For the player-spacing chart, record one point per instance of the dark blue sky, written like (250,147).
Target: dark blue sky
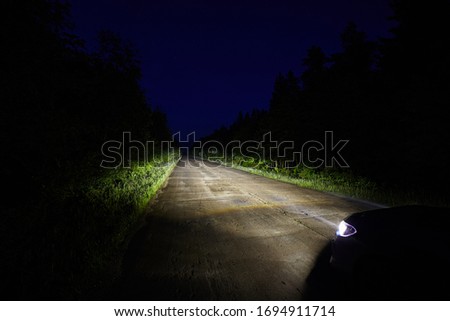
(204,61)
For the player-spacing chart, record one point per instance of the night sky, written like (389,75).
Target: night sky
(204,61)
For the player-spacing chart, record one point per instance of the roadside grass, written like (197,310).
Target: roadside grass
(340,181)
(70,242)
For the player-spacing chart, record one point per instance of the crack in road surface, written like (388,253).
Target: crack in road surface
(216,233)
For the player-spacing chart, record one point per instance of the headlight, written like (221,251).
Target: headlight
(345,229)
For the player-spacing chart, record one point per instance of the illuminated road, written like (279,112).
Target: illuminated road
(222,234)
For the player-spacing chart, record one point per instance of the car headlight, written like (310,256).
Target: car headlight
(345,229)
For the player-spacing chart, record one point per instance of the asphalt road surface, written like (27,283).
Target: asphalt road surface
(216,233)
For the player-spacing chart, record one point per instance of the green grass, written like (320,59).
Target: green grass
(70,243)
(342,182)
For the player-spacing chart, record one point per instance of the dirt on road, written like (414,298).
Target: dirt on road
(216,233)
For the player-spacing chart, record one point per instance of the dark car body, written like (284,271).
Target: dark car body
(395,253)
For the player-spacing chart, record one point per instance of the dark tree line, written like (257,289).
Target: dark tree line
(389,97)
(60,102)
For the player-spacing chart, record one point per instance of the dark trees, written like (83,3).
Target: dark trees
(60,103)
(415,74)
(389,98)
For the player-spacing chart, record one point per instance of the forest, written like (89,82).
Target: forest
(65,220)
(389,98)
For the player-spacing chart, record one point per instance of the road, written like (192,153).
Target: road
(216,233)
